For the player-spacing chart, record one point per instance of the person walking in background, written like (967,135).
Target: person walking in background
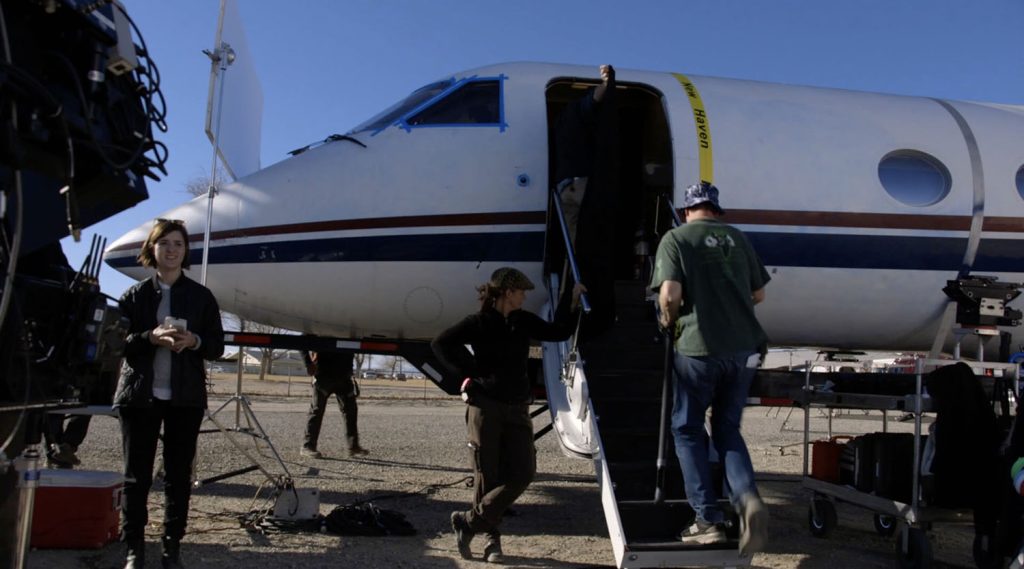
(65,432)
(707,274)
(332,375)
(497,391)
(174,326)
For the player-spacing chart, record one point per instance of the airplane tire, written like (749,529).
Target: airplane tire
(919,550)
(884,525)
(821,517)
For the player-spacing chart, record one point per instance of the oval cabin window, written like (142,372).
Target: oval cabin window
(915,178)
(1020,182)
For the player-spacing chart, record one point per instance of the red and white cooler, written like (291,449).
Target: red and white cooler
(76,509)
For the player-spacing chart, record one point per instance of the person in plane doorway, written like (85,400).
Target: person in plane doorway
(332,375)
(497,391)
(174,326)
(707,274)
(587,169)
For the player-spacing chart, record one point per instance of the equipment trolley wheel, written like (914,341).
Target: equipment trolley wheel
(913,550)
(884,525)
(821,517)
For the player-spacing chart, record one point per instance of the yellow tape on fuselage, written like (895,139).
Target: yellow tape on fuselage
(700,120)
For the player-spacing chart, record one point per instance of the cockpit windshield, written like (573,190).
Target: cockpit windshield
(471,101)
(396,111)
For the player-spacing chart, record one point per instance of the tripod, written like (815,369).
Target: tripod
(253,428)
(290,503)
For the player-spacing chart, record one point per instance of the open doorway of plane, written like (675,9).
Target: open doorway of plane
(643,152)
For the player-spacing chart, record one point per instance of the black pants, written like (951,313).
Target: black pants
(72,432)
(504,458)
(344,393)
(140,429)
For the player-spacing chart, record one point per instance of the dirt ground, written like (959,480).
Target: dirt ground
(418,466)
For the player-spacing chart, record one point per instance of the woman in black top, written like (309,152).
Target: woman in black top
(497,390)
(175,325)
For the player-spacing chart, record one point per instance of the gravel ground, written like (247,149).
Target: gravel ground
(418,466)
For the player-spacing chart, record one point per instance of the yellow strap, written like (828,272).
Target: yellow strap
(700,120)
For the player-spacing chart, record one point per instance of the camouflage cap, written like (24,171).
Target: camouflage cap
(508,278)
(701,193)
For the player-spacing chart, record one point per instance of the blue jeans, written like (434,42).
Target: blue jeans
(721,383)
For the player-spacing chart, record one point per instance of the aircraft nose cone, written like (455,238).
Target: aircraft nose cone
(122,253)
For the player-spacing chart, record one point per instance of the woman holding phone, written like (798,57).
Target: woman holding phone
(175,325)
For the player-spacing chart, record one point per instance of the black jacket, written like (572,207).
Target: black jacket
(501,347)
(333,369)
(190,301)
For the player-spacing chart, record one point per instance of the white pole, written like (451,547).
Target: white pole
(224,56)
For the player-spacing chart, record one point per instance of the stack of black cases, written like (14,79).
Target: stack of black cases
(881,464)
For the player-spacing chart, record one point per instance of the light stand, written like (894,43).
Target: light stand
(297,503)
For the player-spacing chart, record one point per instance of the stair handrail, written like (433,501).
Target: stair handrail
(676,220)
(666,386)
(661,465)
(570,252)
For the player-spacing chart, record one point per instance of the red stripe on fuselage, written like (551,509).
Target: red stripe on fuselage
(451,220)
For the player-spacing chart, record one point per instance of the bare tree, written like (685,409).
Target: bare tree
(359,359)
(392,364)
(199,185)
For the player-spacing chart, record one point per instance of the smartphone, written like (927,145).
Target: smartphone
(180,324)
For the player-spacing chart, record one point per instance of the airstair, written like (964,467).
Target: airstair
(606,405)
(605,399)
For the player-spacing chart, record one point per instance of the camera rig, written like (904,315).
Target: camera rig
(79,100)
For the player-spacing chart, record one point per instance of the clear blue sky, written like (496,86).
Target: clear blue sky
(327,65)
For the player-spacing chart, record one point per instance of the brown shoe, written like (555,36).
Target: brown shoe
(310,452)
(356,450)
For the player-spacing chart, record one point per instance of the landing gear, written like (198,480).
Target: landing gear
(821,517)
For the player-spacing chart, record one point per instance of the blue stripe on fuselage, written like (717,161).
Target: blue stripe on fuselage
(524,246)
(884,252)
(775,249)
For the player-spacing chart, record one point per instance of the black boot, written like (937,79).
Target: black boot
(492,547)
(171,559)
(135,558)
(463,535)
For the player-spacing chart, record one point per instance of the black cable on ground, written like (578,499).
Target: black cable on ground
(361,517)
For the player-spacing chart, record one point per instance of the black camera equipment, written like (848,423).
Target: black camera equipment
(78,103)
(79,100)
(982,301)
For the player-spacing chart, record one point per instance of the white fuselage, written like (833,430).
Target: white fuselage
(391,239)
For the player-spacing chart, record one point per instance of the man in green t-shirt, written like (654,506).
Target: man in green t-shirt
(709,277)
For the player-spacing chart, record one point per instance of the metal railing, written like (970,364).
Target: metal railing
(569,251)
(676,220)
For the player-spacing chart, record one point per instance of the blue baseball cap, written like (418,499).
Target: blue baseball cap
(702,193)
